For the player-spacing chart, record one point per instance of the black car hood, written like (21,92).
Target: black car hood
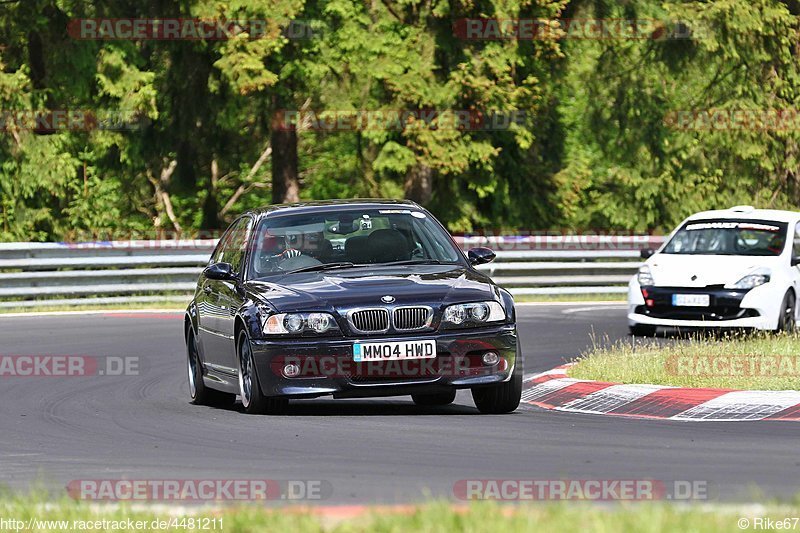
(434,285)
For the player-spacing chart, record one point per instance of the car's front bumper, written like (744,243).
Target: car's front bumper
(327,366)
(729,308)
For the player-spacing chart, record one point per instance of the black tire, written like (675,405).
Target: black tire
(440,398)
(253,399)
(503,398)
(642,330)
(200,394)
(787,322)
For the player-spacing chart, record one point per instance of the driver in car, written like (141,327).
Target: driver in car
(776,243)
(312,244)
(275,250)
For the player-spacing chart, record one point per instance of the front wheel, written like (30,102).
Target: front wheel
(787,322)
(502,398)
(202,395)
(253,398)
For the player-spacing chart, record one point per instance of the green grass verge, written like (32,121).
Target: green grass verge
(756,362)
(435,517)
(602,297)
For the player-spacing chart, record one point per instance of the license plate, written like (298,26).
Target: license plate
(691,300)
(387,351)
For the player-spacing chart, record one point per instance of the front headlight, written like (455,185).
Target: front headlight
(298,323)
(320,322)
(750,281)
(474,314)
(645,277)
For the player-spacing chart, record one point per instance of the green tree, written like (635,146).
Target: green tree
(633,160)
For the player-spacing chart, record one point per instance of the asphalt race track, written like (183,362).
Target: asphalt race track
(58,429)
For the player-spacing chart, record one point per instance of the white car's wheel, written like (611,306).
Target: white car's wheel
(786,320)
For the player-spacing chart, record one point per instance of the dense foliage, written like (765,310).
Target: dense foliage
(695,109)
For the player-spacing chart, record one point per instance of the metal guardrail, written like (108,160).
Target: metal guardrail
(36,274)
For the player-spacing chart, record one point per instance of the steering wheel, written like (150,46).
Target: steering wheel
(297,261)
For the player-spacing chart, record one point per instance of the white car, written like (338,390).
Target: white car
(733,268)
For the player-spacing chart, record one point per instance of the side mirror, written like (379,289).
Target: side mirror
(220,272)
(646,253)
(480,256)
(795,260)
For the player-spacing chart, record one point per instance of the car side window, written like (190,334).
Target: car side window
(216,255)
(233,250)
(796,243)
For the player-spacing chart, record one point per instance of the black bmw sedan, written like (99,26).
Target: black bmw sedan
(357,298)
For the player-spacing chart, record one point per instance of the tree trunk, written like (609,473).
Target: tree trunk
(211,219)
(283,141)
(36,62)
(419,184)
(285,180)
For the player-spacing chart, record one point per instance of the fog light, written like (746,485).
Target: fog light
(490,358)
(291,370)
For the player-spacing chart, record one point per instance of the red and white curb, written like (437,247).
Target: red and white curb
(554,390)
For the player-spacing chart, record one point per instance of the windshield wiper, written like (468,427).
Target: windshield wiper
(323,266)
(347,264)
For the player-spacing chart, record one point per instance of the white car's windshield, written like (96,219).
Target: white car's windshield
(349,237)
(729,237)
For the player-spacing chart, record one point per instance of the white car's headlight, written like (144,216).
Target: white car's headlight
(295,323)
(750,281)
(645,277)
(474,314)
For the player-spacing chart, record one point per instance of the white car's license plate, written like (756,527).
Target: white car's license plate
(691,300)
(387,351)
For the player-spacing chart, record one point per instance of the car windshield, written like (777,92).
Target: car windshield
(347,238)
(729,237)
